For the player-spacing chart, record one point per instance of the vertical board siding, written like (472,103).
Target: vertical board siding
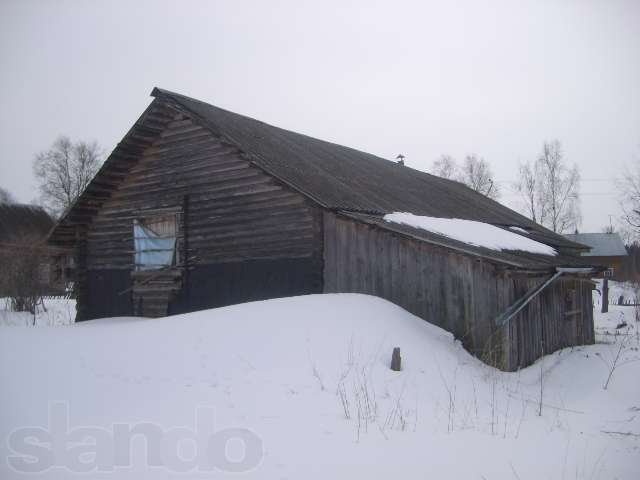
(460,293)
(447,289)
(236,213)
(546,324)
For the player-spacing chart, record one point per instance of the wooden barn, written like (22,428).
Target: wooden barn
(199,207)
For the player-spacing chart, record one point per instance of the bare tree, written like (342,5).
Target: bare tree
(5,197)
(476,174)
(446,167)
(550,189)
(529,187)
(629,188)
(64,171)
(562,183)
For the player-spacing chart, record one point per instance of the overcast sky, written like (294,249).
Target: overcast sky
(418,78)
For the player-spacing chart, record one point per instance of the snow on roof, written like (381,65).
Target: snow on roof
(473,233)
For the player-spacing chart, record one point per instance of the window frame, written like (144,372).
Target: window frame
(146,219)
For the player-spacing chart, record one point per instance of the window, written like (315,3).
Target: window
(154,241)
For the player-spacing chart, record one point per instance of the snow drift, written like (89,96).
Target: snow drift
(309,377)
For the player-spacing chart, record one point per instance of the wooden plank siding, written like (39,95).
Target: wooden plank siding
(549,322)
(460,293)
(236,213)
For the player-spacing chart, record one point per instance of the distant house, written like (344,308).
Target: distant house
(606,249)
(199,207)
(19,222)
(23,229)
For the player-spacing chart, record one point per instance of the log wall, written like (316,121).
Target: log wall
(229,212)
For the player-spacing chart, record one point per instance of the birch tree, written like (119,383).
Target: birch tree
(528,186)
(550,189)
(445,166)
(475,173)
(629,188)
(64,171)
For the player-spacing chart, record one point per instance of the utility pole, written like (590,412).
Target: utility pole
(605,293)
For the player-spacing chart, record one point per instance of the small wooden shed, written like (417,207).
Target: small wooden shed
(199,207)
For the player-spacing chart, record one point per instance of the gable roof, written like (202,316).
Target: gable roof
(602,244)
(342,178)
(18,221)
(336,177)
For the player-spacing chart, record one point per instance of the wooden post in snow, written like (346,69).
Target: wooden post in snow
(396,360)
(605,295)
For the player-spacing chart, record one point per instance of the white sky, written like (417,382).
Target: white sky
(418,78)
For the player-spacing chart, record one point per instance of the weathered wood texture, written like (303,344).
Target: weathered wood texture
(152,291)
(561,316)
(235,212)
(460,293)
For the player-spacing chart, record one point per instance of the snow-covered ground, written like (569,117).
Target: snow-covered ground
(300,388)
(54,312)
(629,292)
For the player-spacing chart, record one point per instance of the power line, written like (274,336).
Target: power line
(613,180)
(589,194)
(509,188)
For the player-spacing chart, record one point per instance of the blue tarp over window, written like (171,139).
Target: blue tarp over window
(152,251)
